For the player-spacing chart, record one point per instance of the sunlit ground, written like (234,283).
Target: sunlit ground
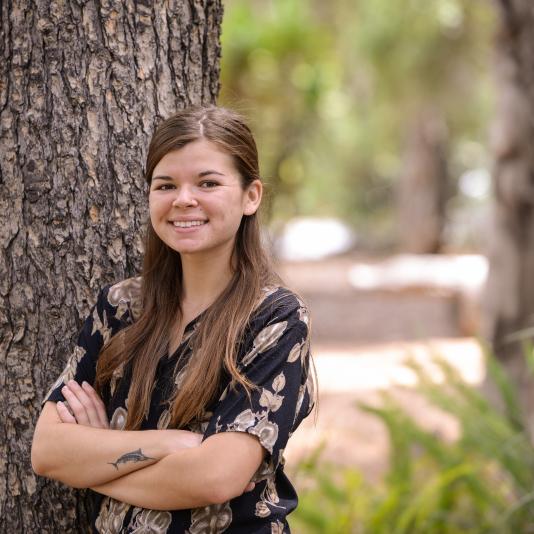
(381,366)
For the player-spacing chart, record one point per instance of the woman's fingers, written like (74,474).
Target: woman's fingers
(64,414)
(81,405)
(250,487)
(75,405)
(98,403)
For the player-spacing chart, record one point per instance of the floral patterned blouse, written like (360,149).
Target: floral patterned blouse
(274,355)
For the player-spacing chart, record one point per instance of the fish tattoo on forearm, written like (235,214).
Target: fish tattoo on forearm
(134,456)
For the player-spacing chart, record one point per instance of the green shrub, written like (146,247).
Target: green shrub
(481,483)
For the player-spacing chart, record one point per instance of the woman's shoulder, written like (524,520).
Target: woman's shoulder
(124,298)
(278,328)
(277,301)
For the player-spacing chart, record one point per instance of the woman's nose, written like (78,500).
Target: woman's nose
(184,198)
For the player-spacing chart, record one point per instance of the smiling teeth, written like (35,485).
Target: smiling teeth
(187,224)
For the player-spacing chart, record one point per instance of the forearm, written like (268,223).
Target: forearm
(218,470)
(82,456)
(178,481)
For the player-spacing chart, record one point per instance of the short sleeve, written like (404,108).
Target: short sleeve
(276,360)
(81,364)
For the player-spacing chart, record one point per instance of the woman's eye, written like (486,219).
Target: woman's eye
(164,187)
(208,184)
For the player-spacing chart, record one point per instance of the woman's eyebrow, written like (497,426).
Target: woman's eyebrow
(200,175)
(210,171)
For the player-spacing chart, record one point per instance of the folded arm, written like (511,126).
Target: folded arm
(158,469)
(82,452)
(218,470)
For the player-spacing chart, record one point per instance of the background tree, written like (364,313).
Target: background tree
(510,289)
(82,85)
(423,58)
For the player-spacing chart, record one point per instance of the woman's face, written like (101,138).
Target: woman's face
(197,200)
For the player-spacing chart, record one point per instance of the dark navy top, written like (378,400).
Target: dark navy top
(274,355)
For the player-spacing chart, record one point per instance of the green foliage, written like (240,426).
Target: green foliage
(332,87)
(481,483)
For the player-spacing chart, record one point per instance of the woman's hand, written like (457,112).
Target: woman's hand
(86,406)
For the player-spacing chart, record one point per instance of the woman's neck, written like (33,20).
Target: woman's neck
(204,279)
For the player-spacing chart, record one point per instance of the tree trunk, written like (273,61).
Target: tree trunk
(423,185)
(82,85)
(510,291)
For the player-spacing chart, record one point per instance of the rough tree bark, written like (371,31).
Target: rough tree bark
(510,291)
(423,185)
(82,85)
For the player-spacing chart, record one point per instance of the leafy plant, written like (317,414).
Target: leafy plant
(482,483)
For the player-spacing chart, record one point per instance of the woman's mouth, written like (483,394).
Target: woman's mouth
(187,224)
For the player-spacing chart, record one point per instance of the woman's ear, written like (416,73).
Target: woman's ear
(253,195)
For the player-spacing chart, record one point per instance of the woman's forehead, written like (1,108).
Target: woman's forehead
(195,155)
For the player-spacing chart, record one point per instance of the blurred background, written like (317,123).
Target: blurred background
(373,120)
(359,105)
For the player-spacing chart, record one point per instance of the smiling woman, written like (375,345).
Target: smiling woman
(187,381)
(197,199)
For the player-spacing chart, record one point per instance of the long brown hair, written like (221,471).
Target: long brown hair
(216,340)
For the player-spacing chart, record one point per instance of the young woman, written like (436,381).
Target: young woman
(185,384)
